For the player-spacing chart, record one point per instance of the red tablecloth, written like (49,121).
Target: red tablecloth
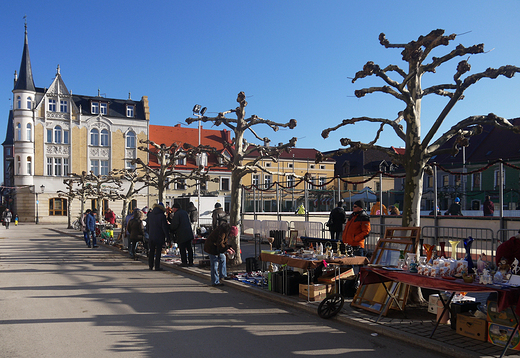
(294,261)
(507,297)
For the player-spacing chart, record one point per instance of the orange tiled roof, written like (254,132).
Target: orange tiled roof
(177,134)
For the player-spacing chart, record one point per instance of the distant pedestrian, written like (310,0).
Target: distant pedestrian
(455,208)
(393,210)
(16,220)
(83,222)
(135,228)
(218,216)
(337,218)
(489,207)
(110,217)
(90,223)
(181,228)
(7,216)
(157,227)
(194,216)
(376,208)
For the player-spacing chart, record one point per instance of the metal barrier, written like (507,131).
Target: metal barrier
(505,234)
(268,225)
(485,242)
(308,228)
(251,227)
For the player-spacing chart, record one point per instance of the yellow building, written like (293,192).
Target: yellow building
(263,194)
(53,132)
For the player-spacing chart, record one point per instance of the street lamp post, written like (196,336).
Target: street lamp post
(42,190)
(198,112)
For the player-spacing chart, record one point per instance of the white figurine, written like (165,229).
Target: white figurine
(514,267)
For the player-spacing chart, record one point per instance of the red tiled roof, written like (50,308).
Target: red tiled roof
(177,134)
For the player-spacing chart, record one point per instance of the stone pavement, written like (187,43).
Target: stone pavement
(413,326)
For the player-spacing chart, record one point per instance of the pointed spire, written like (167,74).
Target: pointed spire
(25,79)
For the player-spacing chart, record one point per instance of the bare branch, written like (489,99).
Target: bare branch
(398,128)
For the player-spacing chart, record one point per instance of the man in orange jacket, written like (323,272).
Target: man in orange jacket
(357,228)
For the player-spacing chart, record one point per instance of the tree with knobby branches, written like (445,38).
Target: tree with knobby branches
(240,149)
(407,124)
(164,173)
(132,177)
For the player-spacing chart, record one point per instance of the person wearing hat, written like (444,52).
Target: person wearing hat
(90,223)
(455,208)
(218,216)
(337,218)
(357,228)
(157,228)
(181,227)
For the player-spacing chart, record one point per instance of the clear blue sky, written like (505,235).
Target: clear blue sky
(293,59)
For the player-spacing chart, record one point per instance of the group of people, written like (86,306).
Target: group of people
(7,217)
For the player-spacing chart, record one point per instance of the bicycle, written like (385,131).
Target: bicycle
(76,224)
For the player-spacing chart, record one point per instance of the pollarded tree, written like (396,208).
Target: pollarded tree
(132,177)
(240,148)
(409,90)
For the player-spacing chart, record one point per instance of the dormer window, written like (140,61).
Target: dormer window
(130,111)
(181,158)
(103,108)
(226,156)
(98,108)
(94,108)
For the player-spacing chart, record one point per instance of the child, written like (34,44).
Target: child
(16,220)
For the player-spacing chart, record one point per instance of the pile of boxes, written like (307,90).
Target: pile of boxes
(500,325)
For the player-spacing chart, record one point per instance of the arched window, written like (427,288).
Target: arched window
(29,166)
(18,131)
(29,132)
(29,103)
(94,137)
(18,165)
(130,140)
(57,134)
(104,138)
(18,102)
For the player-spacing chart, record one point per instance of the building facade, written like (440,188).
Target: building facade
(53,132)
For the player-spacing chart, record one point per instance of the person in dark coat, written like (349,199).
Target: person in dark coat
(489,207)
(193,213)
(455,208)
(135,228)
(90,223)
(157,227)
(181,228)
(218,216)
(7,216)
(337,218)
(216,246)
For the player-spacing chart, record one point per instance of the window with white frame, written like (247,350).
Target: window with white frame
(312,166)
(19,102)
(129,165)
(104,167)
(57,167)
(224,184)
(49,166)
(18,165)
(130,111)
(322,182)
(181,158)
(103,108)
(267,164)
(64,106)
(322,166)
(49,135)
(65,137)
(94,137)
(18,131)
(267,180)
(57,134)
(29,102)
(130,140)
(104,138)
(94,166)
(255,180)
(180,184)
(290,181)
(52,105)
(94,107)
(29,131)
(29,166)
(66,169)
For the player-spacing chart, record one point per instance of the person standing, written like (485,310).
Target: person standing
(489,207)
(357,228)
(181,227)
(376,208)
(84,227)
(135,228)
(7,216)
(158,232)
(454,208)
(337,218)
(216,246)
(110,217)
(218,216)
(194,216)
(90,223)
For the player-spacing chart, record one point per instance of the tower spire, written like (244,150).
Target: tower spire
(25,78)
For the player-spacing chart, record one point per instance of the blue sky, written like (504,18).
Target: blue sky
(293,59)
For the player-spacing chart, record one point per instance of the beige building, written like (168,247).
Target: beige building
(53,132)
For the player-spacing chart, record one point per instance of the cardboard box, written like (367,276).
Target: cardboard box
(316,292)
(472,327)
(498,335)
(504,318)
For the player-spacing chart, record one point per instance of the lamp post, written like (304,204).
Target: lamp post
(42,190)
(198,112)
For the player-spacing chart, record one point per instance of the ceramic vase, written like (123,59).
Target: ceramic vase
(467,247)
(442,244)
(429,251)
(454,244)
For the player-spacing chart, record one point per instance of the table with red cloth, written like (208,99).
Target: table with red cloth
(507,296)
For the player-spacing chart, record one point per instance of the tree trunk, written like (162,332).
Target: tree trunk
(234,214)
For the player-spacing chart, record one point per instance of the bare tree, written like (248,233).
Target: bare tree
(418,150)
(240,149)
(163,174)
(132,177)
